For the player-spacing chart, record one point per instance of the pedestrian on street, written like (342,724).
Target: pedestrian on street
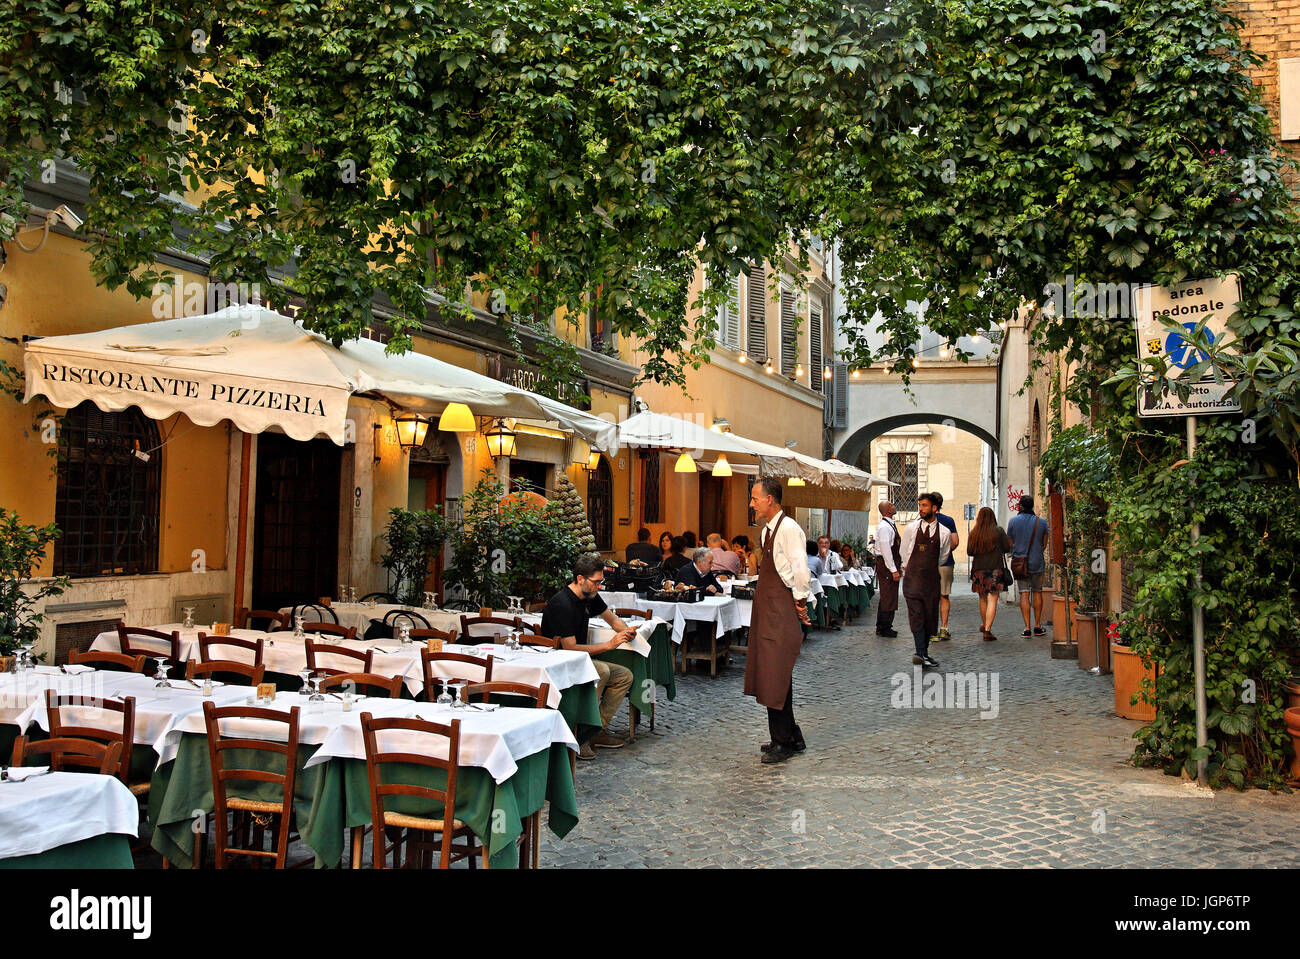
(926,544)
(945,569)
(989,575)
(779,612)
(889,566)
(1028,534)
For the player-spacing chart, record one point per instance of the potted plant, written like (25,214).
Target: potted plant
(414,538)
(1130,676)
(22,547)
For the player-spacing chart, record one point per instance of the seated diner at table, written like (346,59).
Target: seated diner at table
(676,559)
(748,561)
(643,549)
(724,560)
(699,572)
(565,619)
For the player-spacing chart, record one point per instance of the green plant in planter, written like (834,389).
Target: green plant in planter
(414,538)
(509,548)
(1081,463)
(22,547)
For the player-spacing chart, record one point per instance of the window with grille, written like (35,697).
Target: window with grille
(106,502)
(789,341)
(815,348)
(650,488)
(756,332)
(902,470)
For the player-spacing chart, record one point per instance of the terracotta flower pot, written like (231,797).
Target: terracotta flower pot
(1292,690)
(1292,718)
(1089,638)
(1059,614)
(1129,673)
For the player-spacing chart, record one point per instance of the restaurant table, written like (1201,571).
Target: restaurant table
(109,641)
(721,611)
(513,760)
(570,674)
(359,615)
(64,820)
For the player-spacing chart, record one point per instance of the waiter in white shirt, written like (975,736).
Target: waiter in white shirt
(775,630)
(889,570)
(926,545)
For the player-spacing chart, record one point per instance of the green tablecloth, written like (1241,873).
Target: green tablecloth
(331,797)
(833,600)
(109,851)
(647,672)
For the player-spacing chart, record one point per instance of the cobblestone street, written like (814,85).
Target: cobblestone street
(1045,783)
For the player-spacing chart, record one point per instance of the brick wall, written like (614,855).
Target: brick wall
(1270,28)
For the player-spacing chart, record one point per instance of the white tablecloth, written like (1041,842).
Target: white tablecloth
(720,610)
(493,740)
(599,632)
(58,808)
(109,642)
(157,709)
(359,615)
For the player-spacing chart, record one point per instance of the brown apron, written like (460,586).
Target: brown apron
(921,583)
(885,579)
(775,635)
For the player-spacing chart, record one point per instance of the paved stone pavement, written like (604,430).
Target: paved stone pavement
(1045,783)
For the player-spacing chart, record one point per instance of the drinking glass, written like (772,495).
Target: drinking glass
(404,633)
(456,702)
(297,627)
(316,695)
(428,599)
(305,675)
(161,675)
(352,594)
(444,697)
(343,593)
(189,617)
(24,660)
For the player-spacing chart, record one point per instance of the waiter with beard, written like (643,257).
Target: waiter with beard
(775,630)
(926,544)
(889,566)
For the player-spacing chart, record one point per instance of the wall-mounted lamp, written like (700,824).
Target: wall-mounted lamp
(826,373)
(796,481)
(720,425)
(411,429)
(769,367)
(593,462)
(457,418)
(500,440)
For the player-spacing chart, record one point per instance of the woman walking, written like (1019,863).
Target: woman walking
(987,547)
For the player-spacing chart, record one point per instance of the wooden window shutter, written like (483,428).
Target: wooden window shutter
(756,334)
(789,340)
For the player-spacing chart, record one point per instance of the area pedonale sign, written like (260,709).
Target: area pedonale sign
(1186,304)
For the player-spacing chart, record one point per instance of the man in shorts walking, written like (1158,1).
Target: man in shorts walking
(1028,534)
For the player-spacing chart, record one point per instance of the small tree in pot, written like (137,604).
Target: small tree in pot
(414,539)
(22,547)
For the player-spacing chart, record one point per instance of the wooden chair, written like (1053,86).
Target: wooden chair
(111,662)
(486,622)
(382,787)
(536,607)
(84,754)
(718,649)
(272,618)
(314,649)
(311,613)
(427,659)
(226,671)
(624,611)
(276,815)
(394,617)
(206,642)
(538,694)
(419,635)
(530,846)
(124,734)
(372,683)
(388,598)
(330,629)
(536,639)
(128,637)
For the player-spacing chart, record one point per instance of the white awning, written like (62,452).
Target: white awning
(260,369)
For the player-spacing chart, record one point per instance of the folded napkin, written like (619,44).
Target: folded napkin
(19,773)
(76,669)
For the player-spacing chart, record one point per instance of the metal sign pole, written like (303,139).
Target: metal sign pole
(1198,631)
